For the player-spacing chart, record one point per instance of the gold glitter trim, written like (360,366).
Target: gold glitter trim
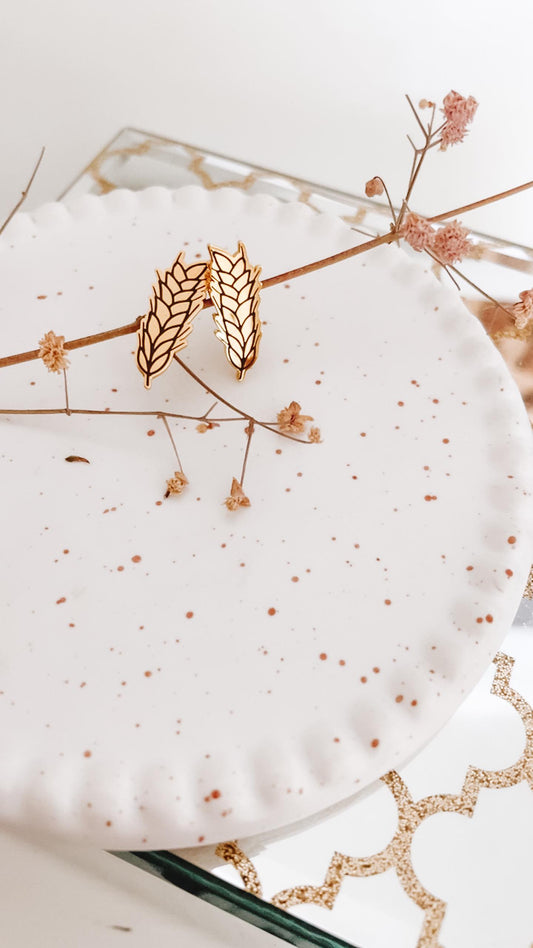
(528,591)
(397,854)
(196,167)
(94,168)
(231,852)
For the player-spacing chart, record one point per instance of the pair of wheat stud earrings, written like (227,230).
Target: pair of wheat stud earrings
(181,292)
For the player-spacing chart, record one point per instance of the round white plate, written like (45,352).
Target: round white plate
(173,673)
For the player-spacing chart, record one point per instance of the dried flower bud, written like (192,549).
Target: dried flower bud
(523,311)
(290,420)
(314,435)
(425,104)
(52,352)
(417,231)
(237,497)
(374,187)
(176,484)
(450,243)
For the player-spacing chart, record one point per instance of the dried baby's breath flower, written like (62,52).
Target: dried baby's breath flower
(450,243)
(417,231)
(458,113)
(237,497)
(374,187)
(291,420)
(523,311)
(206,426)
(425,104)
(314,435)
(176,484)
(52,352)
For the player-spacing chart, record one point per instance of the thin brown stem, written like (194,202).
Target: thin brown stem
(173,443)
(444,266)
(67,409)
(479,290)
(416,115)
(249,431)
(24,194)
(234,408)
(482,203)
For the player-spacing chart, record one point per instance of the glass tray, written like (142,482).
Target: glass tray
(439,853)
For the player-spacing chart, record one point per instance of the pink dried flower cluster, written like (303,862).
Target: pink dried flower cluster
(449,244)
(458,113)
(417,231)
(523,311)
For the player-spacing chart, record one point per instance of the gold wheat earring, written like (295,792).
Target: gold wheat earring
(234,290)
(177,299)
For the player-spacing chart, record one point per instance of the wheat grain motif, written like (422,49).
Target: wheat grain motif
(234,290)
(178,297)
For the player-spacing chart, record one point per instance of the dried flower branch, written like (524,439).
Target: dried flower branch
(24,194)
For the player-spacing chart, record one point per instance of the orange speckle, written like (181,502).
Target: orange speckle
(374,743)
(469,568)
(150,433)
(426,467)
(323,656)
(66,551)
(508,572)
(201,839)
(278,450)
(511,540)
(414,703)
(295,579)
(159,503)
(376,670)
(354,477)
(119,569)
(401,404)
(336,740)
(71,625)
(445,440)
(189,615)
(61,600)
(87,754)
(215,794)
(363,434)
(318,382)
(272,611)
(435,401)
(489,618)
(479,619)
(108,823)
(398,699)
(41,297)
(364,679)
(387,602)
(341,661)
(136,558)
(148,674)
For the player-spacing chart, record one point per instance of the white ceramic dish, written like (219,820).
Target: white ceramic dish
(127,723)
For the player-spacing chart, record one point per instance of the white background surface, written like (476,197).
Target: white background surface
(306,86)
(312,87)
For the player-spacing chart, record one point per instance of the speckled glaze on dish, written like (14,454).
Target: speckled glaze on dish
(173,673)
